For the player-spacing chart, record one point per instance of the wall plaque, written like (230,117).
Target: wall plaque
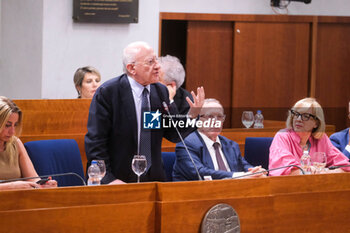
(106,11)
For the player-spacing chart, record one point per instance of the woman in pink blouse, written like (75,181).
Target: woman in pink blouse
(305,131)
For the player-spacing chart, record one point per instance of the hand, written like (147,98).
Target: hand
(257,169)
(117,181)
(49,184)
(172,90)
(196,106)
(19,185)
(327,171)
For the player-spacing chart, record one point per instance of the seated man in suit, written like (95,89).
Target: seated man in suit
(213,154)
(341,140)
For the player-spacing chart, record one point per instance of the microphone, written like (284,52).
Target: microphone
(272,169)
(45,176)
(336,167)
(183,142)
(304,1)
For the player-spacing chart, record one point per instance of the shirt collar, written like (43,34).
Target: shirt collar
(208,142)
(137,87)
(296,138)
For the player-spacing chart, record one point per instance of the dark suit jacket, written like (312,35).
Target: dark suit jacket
(181,102)
(340,140)
(112,130)
(183,167)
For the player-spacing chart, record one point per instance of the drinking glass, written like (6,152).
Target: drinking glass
(139,165)
(101,164)
(247,118)
(318,161)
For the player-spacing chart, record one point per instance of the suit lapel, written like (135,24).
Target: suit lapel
(154,99)
(228,153)
(128,104)
(205,152)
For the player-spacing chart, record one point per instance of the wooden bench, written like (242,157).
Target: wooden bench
(45,119)
(67,118)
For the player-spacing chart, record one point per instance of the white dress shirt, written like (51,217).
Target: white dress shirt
(137,90)
(209,144)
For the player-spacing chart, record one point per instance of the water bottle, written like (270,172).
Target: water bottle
(305,162)
(94,174)
(259,120)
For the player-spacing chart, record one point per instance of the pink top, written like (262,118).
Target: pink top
(286,150)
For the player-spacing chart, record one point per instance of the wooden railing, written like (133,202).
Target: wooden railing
(55,119)
(67,118)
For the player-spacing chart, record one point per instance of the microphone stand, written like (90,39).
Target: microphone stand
(272,169)
(336,167)
(189,155)
(45,176)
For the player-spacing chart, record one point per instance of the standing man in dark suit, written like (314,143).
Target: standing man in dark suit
(213,154)
(115,130)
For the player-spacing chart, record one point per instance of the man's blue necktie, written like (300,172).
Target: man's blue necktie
(145,135)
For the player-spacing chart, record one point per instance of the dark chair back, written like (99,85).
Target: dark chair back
(55,157)
(256,150)
(168,161)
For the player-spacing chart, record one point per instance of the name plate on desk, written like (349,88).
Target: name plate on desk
(106,11)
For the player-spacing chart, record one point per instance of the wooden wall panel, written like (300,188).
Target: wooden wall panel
(55,119)
(333,72)
(271,67)
(277,60)
(209,60)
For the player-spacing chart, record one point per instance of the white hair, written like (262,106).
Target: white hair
(212,100)
(130,52)
(173,70)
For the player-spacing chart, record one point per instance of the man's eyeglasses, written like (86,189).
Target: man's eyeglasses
(217,117)
(304,116)
(148,62)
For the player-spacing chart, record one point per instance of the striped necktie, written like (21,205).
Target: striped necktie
(145,134)
(219,159)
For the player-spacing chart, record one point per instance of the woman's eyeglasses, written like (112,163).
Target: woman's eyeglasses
(304,116)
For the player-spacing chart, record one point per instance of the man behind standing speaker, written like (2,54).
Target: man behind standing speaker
(213,155)
(115,125)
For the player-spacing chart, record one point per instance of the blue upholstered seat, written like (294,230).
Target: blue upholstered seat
(169,160)
(256,150)
(57,156)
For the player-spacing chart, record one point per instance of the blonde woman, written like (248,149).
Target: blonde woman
(305,131)
(86,80)
(14,159)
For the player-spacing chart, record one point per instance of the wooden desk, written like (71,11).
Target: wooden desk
(124,208)
(309,203)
